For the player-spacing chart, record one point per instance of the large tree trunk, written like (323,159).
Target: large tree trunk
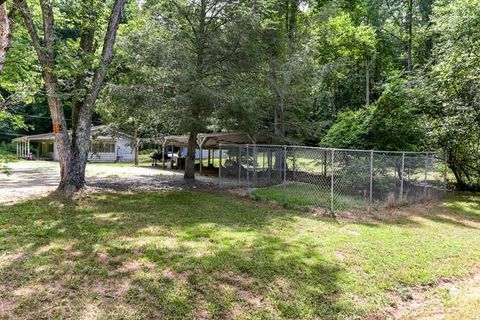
(72,152)
(200,44)
(190,159)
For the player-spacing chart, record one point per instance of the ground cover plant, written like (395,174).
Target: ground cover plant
(198,255)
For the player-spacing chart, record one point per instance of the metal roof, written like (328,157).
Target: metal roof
(51,135)
(209,140)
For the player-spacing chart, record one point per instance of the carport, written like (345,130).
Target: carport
(208,147)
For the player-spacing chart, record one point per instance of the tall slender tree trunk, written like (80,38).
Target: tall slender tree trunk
(409,34)
(200,40)
(367,80)
(426,12)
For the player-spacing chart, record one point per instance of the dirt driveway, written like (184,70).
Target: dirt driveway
(36,178)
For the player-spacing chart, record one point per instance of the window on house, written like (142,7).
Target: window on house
(50,147)
(103,147)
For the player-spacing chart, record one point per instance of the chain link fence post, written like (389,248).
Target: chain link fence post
(255,165)
(294,163)
(239,160)
(331,181)
(425,181)
(285,174)
(445,180)
(248,166)
(402,173)
(371,179)
(220,165)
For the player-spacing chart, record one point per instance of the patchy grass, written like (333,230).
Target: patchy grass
(196,255)
(451,299)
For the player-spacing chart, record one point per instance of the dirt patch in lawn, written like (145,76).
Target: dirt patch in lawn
(447,298)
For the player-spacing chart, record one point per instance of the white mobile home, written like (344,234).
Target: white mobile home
(104,147)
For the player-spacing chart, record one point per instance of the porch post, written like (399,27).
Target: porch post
(28,148)
(201,159)
(163,155)
(16,144)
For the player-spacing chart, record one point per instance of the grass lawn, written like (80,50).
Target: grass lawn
(196,255)
(298,194)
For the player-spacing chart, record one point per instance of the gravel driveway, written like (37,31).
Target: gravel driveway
(36,178)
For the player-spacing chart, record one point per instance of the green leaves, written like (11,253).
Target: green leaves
(453,82)
(393,122)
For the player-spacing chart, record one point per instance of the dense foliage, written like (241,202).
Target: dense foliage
(382,74)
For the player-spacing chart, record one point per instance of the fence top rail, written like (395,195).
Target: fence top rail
(329,149)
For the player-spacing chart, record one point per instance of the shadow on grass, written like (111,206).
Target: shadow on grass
(159,255)
(459,209)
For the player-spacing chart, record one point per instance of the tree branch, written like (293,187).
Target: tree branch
(107,53)
(186,16)
(6,21)
(32,30)
(87,39)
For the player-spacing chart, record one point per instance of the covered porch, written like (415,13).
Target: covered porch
(36,147)
(207,154)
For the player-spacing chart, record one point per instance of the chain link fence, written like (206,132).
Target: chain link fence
(334,179)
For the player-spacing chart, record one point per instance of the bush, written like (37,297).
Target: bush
(6,148)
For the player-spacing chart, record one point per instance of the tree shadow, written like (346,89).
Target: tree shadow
(460,209)
(159,255)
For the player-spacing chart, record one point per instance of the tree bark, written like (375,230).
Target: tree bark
(46,56)
(5,33)
(72,153)
(135,141)
(81,134)
(190,159)
(200,40)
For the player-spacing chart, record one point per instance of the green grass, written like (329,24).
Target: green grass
(196,255)
(307,195)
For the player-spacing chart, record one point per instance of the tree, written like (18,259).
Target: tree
(393,122)
(72,150)
(454,83)
(195,50)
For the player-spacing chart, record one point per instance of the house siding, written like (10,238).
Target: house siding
(125,150)
(55,152)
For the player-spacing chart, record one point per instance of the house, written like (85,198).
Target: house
(105,147)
